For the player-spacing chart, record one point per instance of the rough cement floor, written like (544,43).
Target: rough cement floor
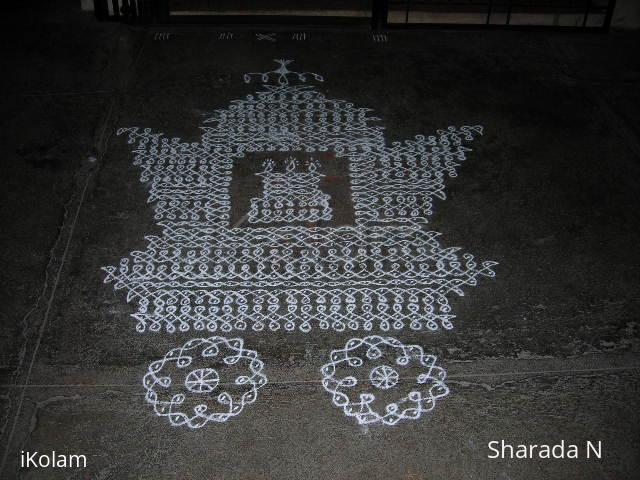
(546,351)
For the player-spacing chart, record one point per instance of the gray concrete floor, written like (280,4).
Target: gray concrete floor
(547,351)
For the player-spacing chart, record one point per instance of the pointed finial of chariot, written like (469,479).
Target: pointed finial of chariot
(282,74)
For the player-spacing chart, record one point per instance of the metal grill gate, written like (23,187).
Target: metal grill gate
(573,15)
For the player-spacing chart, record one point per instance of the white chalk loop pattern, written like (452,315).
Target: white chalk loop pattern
(290,196)
(206,380)
(367,366)
(204,273)
(292,213)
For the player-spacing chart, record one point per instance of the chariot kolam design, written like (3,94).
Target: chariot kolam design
(292,213)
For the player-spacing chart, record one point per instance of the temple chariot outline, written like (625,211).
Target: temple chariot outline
(383,273)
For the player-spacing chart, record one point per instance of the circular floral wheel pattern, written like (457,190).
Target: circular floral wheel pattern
(202,380)
(422,391)
(185,387)
(384,377)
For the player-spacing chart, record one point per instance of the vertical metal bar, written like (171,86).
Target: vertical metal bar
(406,15)
(375,14)
(379,14)
(489,8)
(162,11)
(509,12)
(607,18)
(116,8)
(101,10)
(126,10)
(587,10)
(149,10)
